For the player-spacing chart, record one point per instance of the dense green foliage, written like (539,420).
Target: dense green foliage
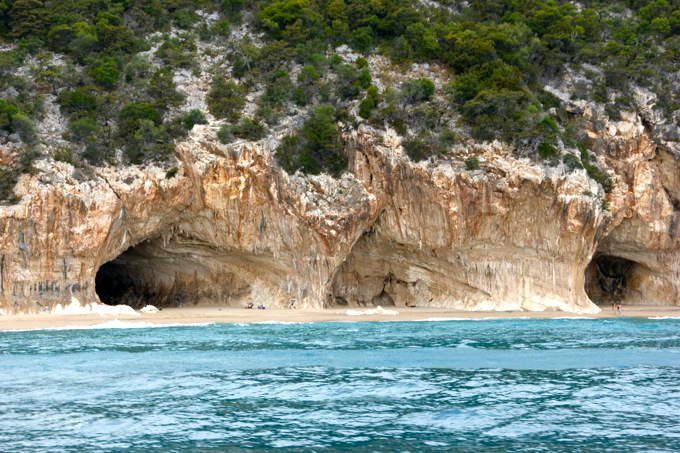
(317,148)
(111,65)
(226,99)
(246,129)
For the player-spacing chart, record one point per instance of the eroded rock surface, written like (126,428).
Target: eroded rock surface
(231,228)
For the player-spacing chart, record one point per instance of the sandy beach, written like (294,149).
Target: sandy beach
(197,315)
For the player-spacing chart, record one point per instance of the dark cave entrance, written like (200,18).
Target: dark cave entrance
(184,271)
(112,283)
(609,279)
(129,279)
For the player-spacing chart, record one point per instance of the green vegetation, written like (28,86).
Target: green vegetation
(595,172)
(193,117)
(472,163)
(13,120)
(369,103)
(418,90)
(546,150)
(317,148)
(226,99)
(247,129)
(112,64)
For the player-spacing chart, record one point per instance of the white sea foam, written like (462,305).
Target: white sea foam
(472,319)
(664,317)
(441,319)
(244,324)
(76,308)
(372,311)
(115,324)
(277,322)
(433,443)
(465,344)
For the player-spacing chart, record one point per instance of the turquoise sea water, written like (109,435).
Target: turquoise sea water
(489,385)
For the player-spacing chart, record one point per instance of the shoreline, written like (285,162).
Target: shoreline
(201,315)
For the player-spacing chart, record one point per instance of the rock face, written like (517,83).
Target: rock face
(508,236)
(639,259)
(230,228)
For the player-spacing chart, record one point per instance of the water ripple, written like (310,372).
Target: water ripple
(497,385)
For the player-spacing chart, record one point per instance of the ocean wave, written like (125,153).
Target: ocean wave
(371,311)
(441,319)
(664,317)
(76,308)
(276,322)
(114,324)
(491,318)
(465,344)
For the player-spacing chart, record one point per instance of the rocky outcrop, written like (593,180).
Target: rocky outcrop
(507,236)
(638,261)
(231,228)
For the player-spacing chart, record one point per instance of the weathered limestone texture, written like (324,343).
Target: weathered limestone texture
(230,228)
(645,234)
(508,236)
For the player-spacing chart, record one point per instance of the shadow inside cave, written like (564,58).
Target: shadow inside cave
(186,272)
(130,279)
(611,278)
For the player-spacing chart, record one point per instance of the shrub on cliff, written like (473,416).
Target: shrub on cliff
(350,81)
(140,131)
(288,153)
(9,176)
(323,151)
(178,52)
(547,150)
(226,99)
(77,102)
(14,120)
(417,90)
(82,130)
(571,162)
(485,109)
(472,163)
(193,117)
(295,20)
(247,129)
(162,90)
(425,145)
(135,112)
(595,172)
(105,72)
(369,102)
(278,89)
(317,148)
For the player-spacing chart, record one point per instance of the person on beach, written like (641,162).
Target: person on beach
(618,308)
(613,307)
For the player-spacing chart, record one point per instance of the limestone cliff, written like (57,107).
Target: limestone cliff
(230,228)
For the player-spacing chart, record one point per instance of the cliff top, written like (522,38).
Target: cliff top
(118,83)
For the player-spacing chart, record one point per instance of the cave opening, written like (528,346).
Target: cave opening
(610,279)
(129,279)
(185,271)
